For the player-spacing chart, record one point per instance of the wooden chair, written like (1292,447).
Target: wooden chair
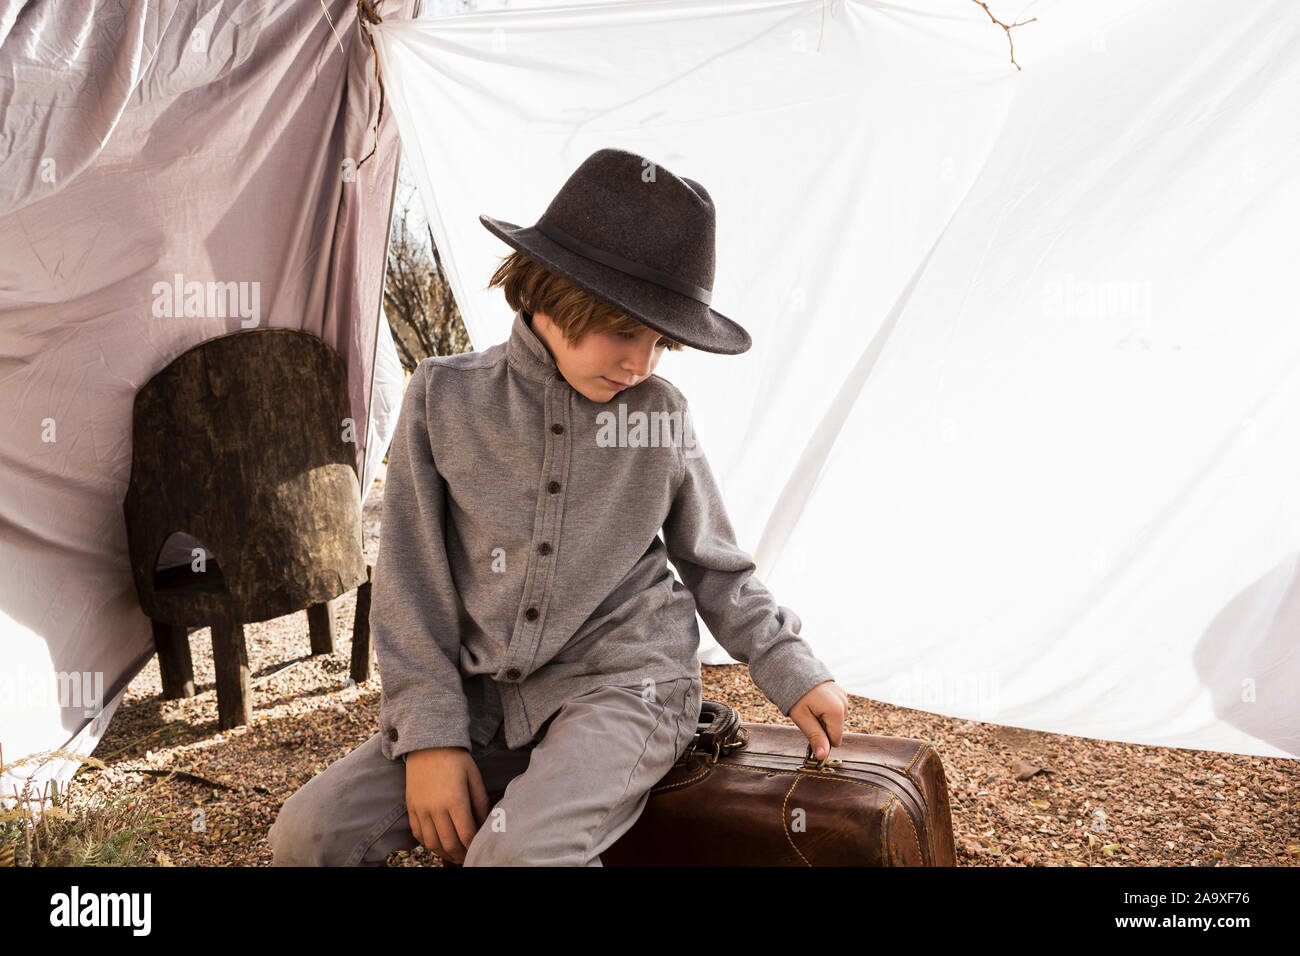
(244,442)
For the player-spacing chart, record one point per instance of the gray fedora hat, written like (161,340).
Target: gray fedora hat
(630,233)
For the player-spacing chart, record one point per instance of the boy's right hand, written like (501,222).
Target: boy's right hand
(446,802)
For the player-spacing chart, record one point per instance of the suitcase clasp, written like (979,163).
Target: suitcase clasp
(809,763)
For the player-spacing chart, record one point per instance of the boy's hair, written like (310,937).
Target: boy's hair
(532,288)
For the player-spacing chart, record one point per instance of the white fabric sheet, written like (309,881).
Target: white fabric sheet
(219,143)
(1018,438)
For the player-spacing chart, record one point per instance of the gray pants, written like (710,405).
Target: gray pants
(569,794)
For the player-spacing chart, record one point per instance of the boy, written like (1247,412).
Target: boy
(528,631)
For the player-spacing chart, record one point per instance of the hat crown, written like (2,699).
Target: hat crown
(637,237)
(631,207)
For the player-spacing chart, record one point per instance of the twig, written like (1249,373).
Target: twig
(1005,27)
(278,671)
(176,731)
(192,778)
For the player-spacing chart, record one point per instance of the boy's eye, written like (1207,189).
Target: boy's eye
(662,343)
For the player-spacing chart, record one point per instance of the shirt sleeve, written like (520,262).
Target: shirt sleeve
(414,603)
(739,611)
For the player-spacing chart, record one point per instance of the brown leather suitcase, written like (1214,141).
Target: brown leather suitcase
(747,794)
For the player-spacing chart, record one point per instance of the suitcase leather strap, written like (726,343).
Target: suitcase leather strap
(718,729)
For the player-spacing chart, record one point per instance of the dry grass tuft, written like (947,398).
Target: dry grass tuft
(45,828)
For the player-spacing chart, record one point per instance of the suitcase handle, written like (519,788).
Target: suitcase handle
(717,729)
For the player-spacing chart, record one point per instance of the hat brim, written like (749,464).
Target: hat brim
(650,304)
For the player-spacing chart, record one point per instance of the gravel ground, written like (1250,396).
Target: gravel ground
(1084,802)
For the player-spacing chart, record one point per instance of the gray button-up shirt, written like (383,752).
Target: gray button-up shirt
(520,558)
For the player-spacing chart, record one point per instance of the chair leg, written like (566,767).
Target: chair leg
(172,642)
(361,655)
(320,621)
(230,657)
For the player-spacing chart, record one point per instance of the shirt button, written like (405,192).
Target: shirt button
(392,733)
(557,428)
(553,487)
(512,674)
(531,614)
(543,548)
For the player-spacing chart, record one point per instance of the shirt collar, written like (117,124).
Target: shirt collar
(528,353)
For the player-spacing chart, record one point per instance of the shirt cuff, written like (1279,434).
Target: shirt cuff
(400,734)
(787,672)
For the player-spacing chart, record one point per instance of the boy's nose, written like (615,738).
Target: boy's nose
(638,363)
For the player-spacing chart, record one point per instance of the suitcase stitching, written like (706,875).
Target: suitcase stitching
(884,831)
(784,827)
(894,803)
(935,836)
(920,789)
(920,751)
(819,776)
(911,826)
(704,772)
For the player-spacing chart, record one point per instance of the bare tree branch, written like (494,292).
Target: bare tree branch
(1006,27)
(421,311)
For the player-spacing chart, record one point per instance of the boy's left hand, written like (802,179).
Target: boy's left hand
(828,701)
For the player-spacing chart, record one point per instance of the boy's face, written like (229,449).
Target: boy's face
(602,359)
